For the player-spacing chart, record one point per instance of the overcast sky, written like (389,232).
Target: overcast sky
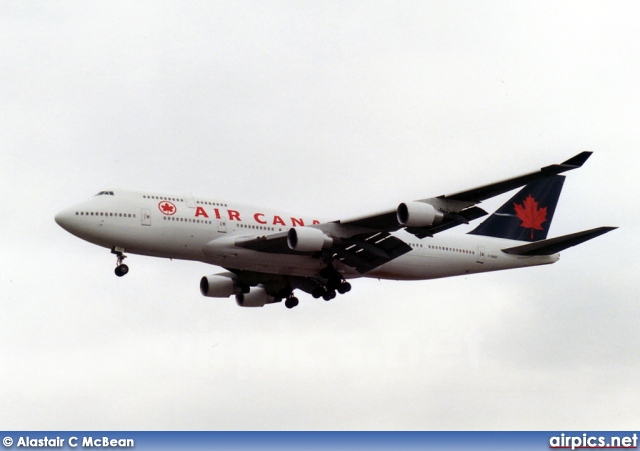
(330,109)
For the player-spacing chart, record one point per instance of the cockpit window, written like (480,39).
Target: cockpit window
(105,193)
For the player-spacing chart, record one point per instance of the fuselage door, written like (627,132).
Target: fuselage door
(222,226)
(480,256)
(145,215)
(190,201)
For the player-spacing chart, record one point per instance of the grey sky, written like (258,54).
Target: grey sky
(332,109)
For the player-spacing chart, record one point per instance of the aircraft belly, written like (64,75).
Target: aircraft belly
(156,241)
(223,252)
(249,260)
(439,264)
(416,266)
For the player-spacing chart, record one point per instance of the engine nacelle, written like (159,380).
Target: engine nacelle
(418,214)
(256,297)
(216,286)
(307,239)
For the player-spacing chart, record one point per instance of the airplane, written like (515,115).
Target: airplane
(268,254)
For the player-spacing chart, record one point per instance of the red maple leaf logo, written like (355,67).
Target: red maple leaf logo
(531,216)
(167,208)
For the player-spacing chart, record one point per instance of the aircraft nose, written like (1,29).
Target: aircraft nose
(63,218)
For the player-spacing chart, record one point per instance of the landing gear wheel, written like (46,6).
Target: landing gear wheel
(121,270)
(335,282)
(344,287)
(291,302)
(328,295)
(317,292)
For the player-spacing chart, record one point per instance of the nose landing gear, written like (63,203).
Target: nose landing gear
(291,301)
(121,268)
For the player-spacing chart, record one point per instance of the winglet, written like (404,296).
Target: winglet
(578,160)
(572,163)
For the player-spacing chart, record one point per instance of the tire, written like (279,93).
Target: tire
(121,270)
(327,296)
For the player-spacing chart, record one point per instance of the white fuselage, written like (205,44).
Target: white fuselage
(180,227)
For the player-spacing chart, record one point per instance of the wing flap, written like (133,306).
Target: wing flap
(368,251)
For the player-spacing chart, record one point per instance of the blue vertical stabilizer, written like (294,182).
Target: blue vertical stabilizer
(527,215)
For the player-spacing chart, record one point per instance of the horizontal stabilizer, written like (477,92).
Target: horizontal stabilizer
(554,245)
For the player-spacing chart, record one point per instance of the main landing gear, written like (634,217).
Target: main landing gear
(335,282)
(121,268)
(329,292)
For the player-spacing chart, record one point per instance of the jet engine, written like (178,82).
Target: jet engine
(418,214)
(217,286)
(256,297)
(307,239)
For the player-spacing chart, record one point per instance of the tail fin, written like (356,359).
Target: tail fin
(527,215)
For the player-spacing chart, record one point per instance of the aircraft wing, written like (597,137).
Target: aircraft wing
(364,251)
(388,220)
(459,208)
